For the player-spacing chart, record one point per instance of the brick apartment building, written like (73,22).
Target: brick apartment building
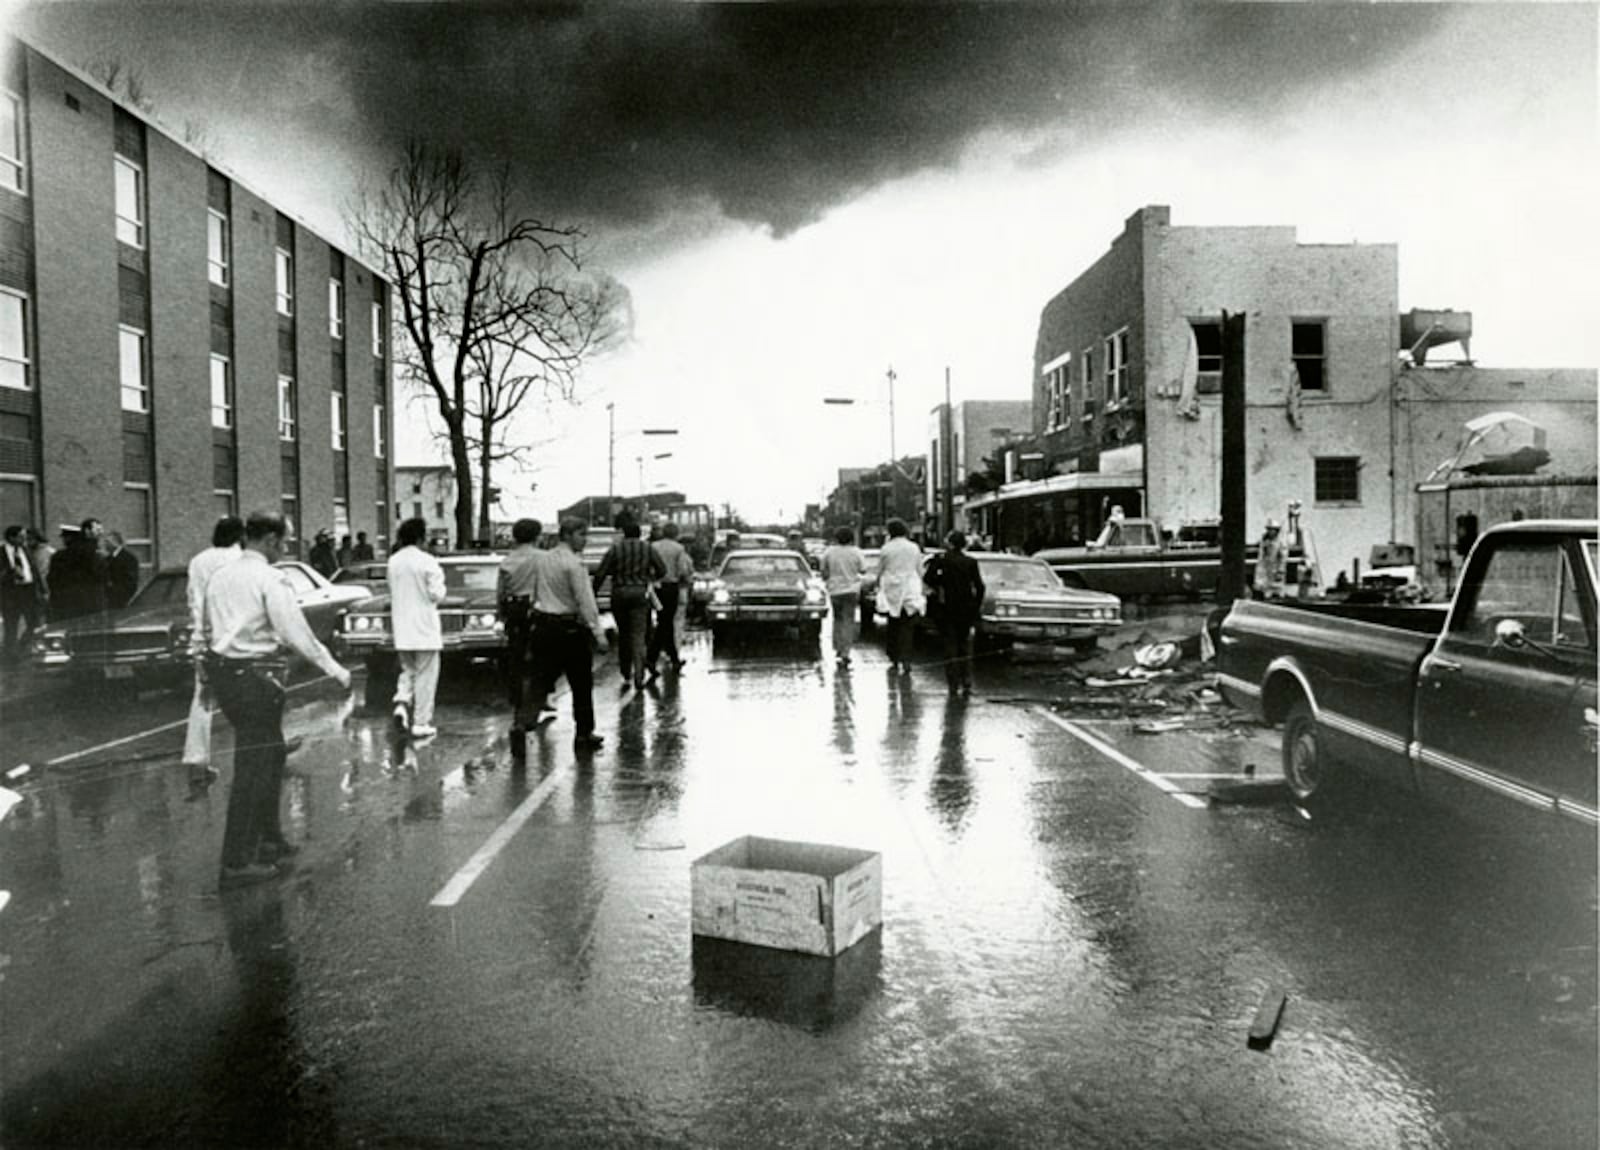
(172,346)
(1127,381)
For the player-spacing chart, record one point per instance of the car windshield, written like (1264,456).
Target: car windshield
(463,577)
(765,565)
(1017,574)
(164,588)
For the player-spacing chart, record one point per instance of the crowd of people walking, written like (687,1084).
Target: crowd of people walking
(93,570)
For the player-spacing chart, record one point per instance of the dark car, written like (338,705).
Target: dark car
(1025,601)
(468,621)
(766,588)
(148,640)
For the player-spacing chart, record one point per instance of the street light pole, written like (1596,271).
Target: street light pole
(949,459)
(611,457)
(890,375)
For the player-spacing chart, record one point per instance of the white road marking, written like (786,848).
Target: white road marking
(1122,760)
(1208,775)
(183,722)
(463,879)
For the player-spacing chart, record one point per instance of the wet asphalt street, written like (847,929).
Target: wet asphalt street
(1075,939)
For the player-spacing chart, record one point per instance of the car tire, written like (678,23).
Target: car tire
(1308,771)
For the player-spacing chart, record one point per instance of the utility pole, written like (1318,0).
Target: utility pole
(611,458)
(947,514)
(1231,584)
(890,375)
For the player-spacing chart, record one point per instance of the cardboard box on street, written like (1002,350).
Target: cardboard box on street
(792,896)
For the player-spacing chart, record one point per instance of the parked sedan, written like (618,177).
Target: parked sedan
(373,574)
(1025,600)
(148,640)
(766,588)
(468,619)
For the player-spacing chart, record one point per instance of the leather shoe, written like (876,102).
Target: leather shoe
(233,877)
(588,742)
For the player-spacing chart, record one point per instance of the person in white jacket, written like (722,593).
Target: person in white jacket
(227,544)
(416,588)
(900,594)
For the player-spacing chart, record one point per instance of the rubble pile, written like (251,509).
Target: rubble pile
(1160,685)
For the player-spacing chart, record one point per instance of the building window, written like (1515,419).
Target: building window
(14,342)
(135,380)
(1308,345)
(336,309)
(377,430)
(377,330)
(341,518)
(221,392)
(222,503)
(336,407)
(217,246)
(1117,368)
(1338,479)
(286,407)
(130,202)
(416,509)
(18,500)
(1208,348)
(1058,394)
(137,525)
(1086,376)
(13,146)
(285,263)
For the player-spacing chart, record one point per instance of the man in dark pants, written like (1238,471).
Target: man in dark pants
(956,601)
(518,582)
(565,624)
(21,591)
(632,567)
(251,616)
(679,577)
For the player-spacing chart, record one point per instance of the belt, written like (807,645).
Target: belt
(555,617)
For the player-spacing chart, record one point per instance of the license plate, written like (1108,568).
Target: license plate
(769,614)
(117,672)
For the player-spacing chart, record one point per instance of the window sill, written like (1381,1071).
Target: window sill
(1337,503)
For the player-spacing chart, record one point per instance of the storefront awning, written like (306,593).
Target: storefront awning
(1058,485)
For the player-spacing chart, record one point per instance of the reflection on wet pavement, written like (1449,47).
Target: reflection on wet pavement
(1067,956)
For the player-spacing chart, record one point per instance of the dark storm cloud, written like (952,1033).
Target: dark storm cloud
(614,114)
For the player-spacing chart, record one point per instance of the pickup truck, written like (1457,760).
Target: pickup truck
(1134,557)
(1485,703)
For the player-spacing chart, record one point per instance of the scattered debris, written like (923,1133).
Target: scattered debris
(1264,1027)
(18,771)
(8,799)
(1249,792)
(1158,656)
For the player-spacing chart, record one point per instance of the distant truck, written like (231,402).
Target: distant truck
(1486,703)
(1134,557)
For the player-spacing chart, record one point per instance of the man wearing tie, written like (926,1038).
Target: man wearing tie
(19,592)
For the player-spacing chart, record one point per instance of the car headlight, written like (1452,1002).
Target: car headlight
(51,643)
(181,637)
(813,594)
(366,623)
(721,595)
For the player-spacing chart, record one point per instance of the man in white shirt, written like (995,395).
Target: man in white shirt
(251,616)
(900,595)
(564,620)
(227,538)
(416,588)
(19,591)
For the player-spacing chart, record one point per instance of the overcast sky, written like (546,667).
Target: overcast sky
(799,197)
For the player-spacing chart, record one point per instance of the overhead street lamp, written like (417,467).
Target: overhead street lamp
(611,451)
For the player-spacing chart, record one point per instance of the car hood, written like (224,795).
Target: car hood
(459,601)
(795,583)
(150,619)
(1053,597)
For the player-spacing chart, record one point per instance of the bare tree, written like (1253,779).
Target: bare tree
(126,82)
(493,305)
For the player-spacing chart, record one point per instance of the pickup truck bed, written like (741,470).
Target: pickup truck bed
(1492,696)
